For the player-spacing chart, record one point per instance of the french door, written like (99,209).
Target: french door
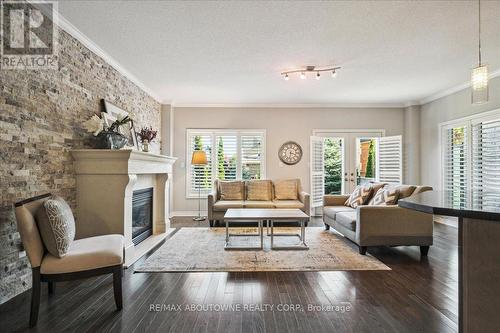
(341,160)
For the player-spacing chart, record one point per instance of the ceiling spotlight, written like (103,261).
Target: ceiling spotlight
(310,69)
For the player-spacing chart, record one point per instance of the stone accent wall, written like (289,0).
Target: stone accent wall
(41,115)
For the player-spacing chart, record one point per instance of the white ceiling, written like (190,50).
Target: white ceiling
(391,52)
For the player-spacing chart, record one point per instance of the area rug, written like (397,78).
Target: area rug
(202,250)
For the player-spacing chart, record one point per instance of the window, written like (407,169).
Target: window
(471,161)
(231,155)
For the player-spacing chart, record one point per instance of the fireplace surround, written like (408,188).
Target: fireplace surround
(106,181)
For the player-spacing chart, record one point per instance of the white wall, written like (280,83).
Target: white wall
(448,108)
(281,124)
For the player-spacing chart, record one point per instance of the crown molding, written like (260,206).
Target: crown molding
(290,106)
(64,24)
(453,90)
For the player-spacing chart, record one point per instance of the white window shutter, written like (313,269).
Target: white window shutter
(390,159)
(455,164)
(317,172)
(251,156)
(486,164)
(200,176)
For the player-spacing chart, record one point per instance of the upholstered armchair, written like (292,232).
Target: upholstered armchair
(85,257)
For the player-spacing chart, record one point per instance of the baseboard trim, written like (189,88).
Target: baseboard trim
(186,213)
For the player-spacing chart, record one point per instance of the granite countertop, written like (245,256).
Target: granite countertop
(432,202)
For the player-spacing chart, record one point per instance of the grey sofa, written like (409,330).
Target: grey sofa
(217,206)
(380,225)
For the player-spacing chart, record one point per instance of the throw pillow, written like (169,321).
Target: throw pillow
(57,226)
(259,190)
(286,189)
(385,197)
(231,190)
(359,196)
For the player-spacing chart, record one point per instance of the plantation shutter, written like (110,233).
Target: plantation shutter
(486,164)
(226,165)
(390,159)
(317,172)
(200,175)
(251,156)
(455,165)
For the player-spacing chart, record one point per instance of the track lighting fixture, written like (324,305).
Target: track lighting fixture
(307,69)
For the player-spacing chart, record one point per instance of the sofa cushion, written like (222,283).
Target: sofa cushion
(85,254)
(223,205)
(57,225)
(258,204)
(259,190)
(331,211)
(286,189)
(232,190)
(288,204)
(359,196)
(385,197)
(347,219)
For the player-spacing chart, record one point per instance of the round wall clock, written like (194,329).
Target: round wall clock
(290,153)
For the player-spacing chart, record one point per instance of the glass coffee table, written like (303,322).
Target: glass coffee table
(270,217)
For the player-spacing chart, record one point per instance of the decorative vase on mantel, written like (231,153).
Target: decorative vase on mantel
(145,146)
(110,140)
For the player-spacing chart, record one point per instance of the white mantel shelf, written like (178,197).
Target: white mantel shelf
(105,182)
(124,161)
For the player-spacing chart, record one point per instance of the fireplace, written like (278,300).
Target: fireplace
(142,215)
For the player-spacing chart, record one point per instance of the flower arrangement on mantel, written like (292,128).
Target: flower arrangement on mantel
(147,135)
(108,137)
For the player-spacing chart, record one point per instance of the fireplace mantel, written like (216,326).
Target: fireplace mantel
(105,181)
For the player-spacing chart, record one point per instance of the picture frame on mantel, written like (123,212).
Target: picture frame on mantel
(112,113)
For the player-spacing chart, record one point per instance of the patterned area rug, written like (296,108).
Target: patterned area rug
(202,250)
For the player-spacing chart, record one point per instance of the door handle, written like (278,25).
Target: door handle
(346,179)
(352,180)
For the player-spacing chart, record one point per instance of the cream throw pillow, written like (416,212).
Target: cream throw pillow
(259,190)
(359,196)
(286,189)
(231,190)
(57,226)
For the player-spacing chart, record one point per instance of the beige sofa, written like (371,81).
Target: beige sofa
(255,194)
(380,225)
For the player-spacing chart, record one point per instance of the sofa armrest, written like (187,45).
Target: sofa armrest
(212,198)
(390,221)
(305,198)
(334,200)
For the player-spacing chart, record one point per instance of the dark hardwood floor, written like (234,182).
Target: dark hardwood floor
(415,296)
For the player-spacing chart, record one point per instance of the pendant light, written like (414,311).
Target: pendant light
(479,77)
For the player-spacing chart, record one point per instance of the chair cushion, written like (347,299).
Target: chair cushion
(231,190)
(331,211)
(259,190)
(385,197)
(286,189)
(57,225)
(223,205)
(347,219)
(258,204)
(85,254)
(359,196)
(288,204)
